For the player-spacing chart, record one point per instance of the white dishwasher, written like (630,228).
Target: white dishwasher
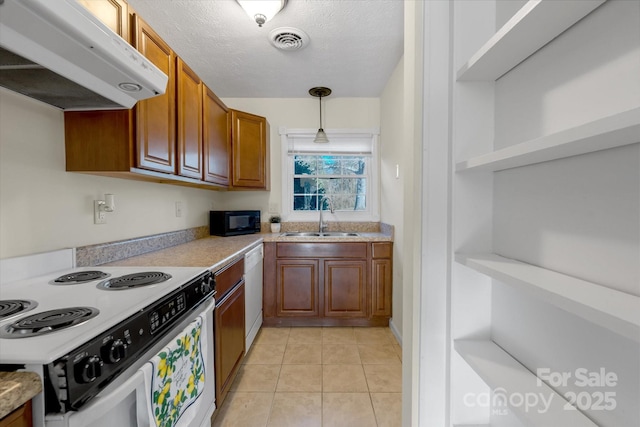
(253,294)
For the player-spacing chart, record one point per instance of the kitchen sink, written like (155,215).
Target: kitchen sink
(315,234)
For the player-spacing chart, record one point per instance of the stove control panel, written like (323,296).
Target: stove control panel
(82,373)
(166,313)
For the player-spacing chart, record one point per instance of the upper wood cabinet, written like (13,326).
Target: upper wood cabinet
(217,139)
(161,139)
(189,120)
(132,143)
(250,151)
(182,137)
(156,117)
(113,13)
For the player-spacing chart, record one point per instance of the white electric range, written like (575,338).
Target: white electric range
(88,339)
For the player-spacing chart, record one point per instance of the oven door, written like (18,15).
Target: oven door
(118,403)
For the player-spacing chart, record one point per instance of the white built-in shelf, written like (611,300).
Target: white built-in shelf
(609,132)
(612,309)
(533,26)
(500,370)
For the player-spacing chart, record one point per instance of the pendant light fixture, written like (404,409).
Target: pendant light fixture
(319,92)
(262,10)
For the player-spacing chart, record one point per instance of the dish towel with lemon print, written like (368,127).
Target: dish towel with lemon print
(174,379)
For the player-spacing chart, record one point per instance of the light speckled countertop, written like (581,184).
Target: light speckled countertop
(215,252)
(16,388)
(211,252)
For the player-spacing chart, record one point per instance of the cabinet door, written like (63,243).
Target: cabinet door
(297,289)
(249,145)
(345,292)
(20,417)
(113,13)
(381,287)
(189,118)
(229,340)
(217,139)
(381,278)
(156,117)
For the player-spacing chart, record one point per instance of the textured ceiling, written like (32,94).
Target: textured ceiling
(354,45)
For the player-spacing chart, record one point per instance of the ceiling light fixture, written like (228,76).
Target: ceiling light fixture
(262,10)
(319,92)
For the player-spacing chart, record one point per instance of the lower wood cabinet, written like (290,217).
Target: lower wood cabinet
(297,288)
(345,292)
(20,417)
(327,283)
(229,327)
(381,279)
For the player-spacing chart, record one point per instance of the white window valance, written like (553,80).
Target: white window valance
(300,141)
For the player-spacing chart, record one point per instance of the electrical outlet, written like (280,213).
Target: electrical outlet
(178,209)
(99,216)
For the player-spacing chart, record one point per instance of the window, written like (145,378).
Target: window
(345,171)
(343,179)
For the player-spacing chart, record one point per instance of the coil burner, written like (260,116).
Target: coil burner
(48,321)
(80,277)
(12,307)
(134,280)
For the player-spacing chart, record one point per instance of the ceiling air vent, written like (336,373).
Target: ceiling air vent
(288,38)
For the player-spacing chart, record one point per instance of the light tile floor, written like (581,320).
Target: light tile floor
(312,377)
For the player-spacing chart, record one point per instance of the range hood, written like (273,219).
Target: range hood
(58,52)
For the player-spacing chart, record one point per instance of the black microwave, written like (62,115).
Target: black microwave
(233,223)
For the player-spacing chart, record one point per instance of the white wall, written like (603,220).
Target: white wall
(588,72)
(393,152)
(579,216)
(43,208)
(337,113)
(505,9)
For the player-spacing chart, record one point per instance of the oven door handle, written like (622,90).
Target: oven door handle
(101,405)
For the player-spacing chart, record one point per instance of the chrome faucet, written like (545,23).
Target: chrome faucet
(322,226)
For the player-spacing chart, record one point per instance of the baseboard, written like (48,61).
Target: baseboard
(395,332)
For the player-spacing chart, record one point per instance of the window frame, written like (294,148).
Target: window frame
(349,141)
